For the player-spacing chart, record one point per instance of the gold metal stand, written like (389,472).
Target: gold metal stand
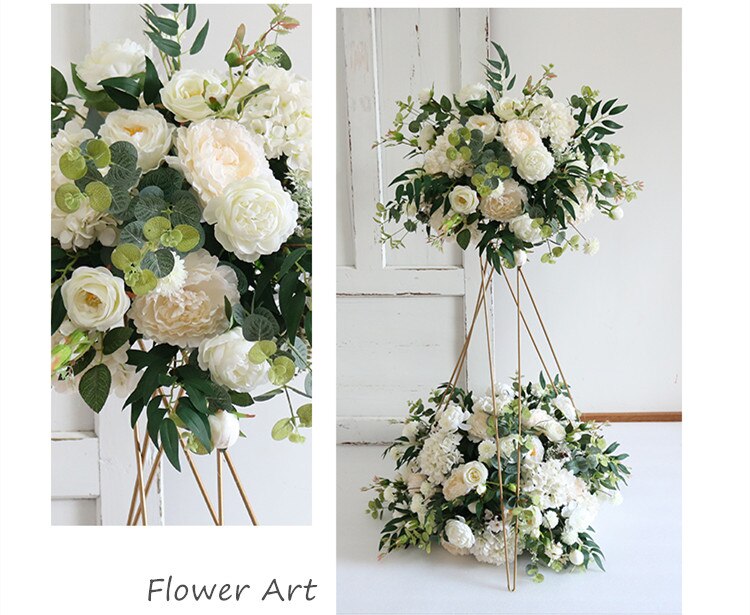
(481,306)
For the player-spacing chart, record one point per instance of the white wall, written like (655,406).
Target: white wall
(280,492)
(614,318)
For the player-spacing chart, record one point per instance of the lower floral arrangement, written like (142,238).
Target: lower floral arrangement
(447,487)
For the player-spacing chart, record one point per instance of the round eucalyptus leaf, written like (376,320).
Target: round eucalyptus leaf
(100,197)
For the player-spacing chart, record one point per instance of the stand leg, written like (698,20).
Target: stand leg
(151,476)
(243,495)
(139,466)
(198,480)
(219,487)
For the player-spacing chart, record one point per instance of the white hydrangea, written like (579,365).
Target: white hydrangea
(451,417)
(490,548)
(439,455)
(555,121)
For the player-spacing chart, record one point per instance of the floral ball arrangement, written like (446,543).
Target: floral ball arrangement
(182,232)
(506,173)
(447,487)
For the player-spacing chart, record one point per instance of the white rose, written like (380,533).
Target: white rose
(508,445)
(94,298)
(226,357)
(505,202)
(225,429)
(474,474)
(564,405)
(487,450)
(187,94)
(518,136)
(215,153)
(452,417)
(146,129)
(186,317)
(122,58)
(520,257)
(591,246)
(486,124)
(424,96)
(541,421)
(523,228)
(463,200)
(535,163)
(253,217)
(576,557)
(474,91)
(426,137)
(505,108)
(459,534)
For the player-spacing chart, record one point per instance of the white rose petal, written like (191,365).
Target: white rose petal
(226,357)
(474,91)
(94,298)
(146,130)
(591,246)
(486,124)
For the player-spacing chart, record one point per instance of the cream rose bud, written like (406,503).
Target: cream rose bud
(226,357)
(474,474)
(505,108)
(424,96)
(535,163)
(426,137)
(122,58)
(576,557)
(253,217)
(486,124)
(146,129)
(225,429)
(215,153)
(474,91)
(520,257)
(617,213)
(94,298)
(523,228)
(187,94)
(505,202)
(518,136)
(459,534)
(463,200)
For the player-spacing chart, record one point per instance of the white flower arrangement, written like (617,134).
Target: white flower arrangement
(181,231)
(446,489)
(538,168)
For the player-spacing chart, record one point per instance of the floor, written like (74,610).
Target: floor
(640,538)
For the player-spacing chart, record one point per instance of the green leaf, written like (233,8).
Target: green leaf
(167,179)
(258,327)
(58,309)
(199,40)
(123,169)
(282,371)
(185,210)
(282,429)
(160,262)
(291,259)
(170,441)
(191,13)
(279,56)
(115,338)
(149,206)
(59,88)
(261,351)
(154,417)
(170,48)
(133,233)
(165,24)
(94,386)
(195,422)
(463,238)
(292,303)
(305,415)
(241,398)
(152,84)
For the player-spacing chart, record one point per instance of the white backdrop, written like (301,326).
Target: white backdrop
(279,495)
(614,318)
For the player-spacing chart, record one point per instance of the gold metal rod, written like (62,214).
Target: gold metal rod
(243,495)
(546,335)
(144,450)
(491,362)
(151,476)
(520,433)
(139,467)
(219,487)
(531,335)
(198,480)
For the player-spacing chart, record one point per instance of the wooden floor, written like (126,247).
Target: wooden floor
(640,538)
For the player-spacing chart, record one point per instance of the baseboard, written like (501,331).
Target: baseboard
(379,430)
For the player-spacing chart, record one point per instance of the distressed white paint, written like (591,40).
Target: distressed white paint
(614,318)
(92,475)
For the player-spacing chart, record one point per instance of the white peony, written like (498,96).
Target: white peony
(426,137)
(146,129)
(252,217)
(486,124)
(524,228)
(94,298)
(518,136)
(534,163)
(478,426)
(281,116)
(505,202)
(122,58)
(188,92)
(474,91)
(505,108)
(463,200)
(225,429)
(215,153)
(226,358)
(586,206)
(535,454)
(453,550)
(194,313)
(459,534)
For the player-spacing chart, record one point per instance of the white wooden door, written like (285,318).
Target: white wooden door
(402,314)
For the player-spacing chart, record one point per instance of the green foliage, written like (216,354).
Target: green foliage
(94,386)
